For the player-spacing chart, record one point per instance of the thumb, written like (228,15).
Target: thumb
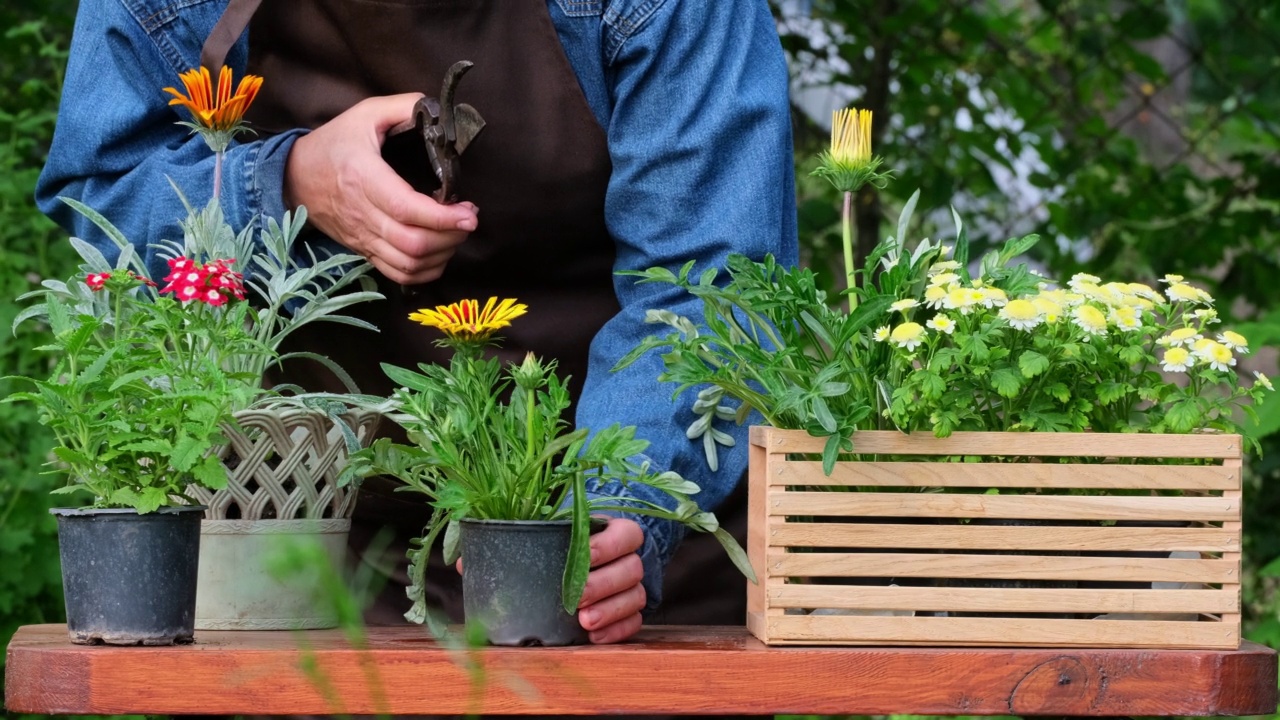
(389,113)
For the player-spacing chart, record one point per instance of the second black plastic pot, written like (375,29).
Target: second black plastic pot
(130,579)
(513,570)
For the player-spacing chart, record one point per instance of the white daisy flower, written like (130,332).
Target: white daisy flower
(1177,359)
(935,296)
(944,279)
(903,305)
(1216,354)
(942,324)
(882,333)
(1125,317)
(943,266)
(1262,380)
(1080,279)
(1021,314)
(1182,336)
(1234,341)
(1090,319)
(908,335)
(1172,279)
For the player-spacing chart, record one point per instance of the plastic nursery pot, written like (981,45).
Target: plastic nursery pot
(130,579)
(511,579)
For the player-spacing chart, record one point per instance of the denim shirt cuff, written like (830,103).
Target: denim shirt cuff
(264,175)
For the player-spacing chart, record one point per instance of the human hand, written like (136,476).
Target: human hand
(353,196)
(613,598)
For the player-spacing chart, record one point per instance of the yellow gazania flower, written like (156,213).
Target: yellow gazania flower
(849,164)
(465,320)
(851,136)
(218,109)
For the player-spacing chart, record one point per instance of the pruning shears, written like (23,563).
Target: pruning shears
(447,129)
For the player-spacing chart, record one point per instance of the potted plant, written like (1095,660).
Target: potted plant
(513,487)
(994,362)
(263,452)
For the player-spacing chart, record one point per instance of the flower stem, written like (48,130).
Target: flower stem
(217,174)
(846,222)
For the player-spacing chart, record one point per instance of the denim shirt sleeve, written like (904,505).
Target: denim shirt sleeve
(117,146)
(699,134)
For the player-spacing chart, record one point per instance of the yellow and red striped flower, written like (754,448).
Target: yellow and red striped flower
(465,320)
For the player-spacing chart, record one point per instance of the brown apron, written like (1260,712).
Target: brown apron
(538,172)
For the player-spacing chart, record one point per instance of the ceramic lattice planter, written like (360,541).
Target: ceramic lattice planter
(282,493)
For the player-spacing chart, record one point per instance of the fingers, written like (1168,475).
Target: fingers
(622,536)
(617,632)
(353,196)
(614,596)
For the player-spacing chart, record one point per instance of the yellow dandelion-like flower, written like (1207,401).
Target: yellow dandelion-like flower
(1090,319)
(1177,359)
(465,321)
(907,335)
(1234,341)
(1021,314)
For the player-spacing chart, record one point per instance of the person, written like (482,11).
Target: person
(620,135)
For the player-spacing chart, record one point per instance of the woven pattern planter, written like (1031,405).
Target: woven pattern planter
(903,551)
(284,465)
(282,496)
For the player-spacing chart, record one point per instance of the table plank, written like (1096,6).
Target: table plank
(694,670)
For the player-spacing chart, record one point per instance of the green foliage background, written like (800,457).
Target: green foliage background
(1129,184)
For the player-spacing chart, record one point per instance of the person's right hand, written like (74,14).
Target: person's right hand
(354,197)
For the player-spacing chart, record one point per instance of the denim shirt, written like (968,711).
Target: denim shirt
(692,96)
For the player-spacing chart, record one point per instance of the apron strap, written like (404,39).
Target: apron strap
(226,32)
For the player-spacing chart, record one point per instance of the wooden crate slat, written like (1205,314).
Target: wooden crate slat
(1019,507)
(888,442)
(1003,567)
(987,537)
(874,630)
(1066,600)
(1019,475)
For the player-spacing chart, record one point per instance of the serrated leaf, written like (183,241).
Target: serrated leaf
(1007,382)
(1032,363)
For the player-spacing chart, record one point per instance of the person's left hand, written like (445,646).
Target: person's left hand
(612,601)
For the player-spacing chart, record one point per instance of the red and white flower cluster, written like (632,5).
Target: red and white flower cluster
(213,283)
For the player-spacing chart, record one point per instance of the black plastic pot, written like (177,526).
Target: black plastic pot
(513,570)
(130,579)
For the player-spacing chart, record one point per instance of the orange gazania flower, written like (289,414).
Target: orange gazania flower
(465,320)
(222,110)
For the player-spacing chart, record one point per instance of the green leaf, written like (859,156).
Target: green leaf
(210,472)
(578,564)
(1111,391)
(830,451)
(736,553)
(1006,381)
(1184,416)
(407,378)
(452,548)
(186,452)
(1032,363)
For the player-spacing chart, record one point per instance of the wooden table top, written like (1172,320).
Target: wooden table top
(691,670)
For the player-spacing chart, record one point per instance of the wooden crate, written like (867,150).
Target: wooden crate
(921,533)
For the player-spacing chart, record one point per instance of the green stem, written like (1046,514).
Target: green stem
(846,223)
